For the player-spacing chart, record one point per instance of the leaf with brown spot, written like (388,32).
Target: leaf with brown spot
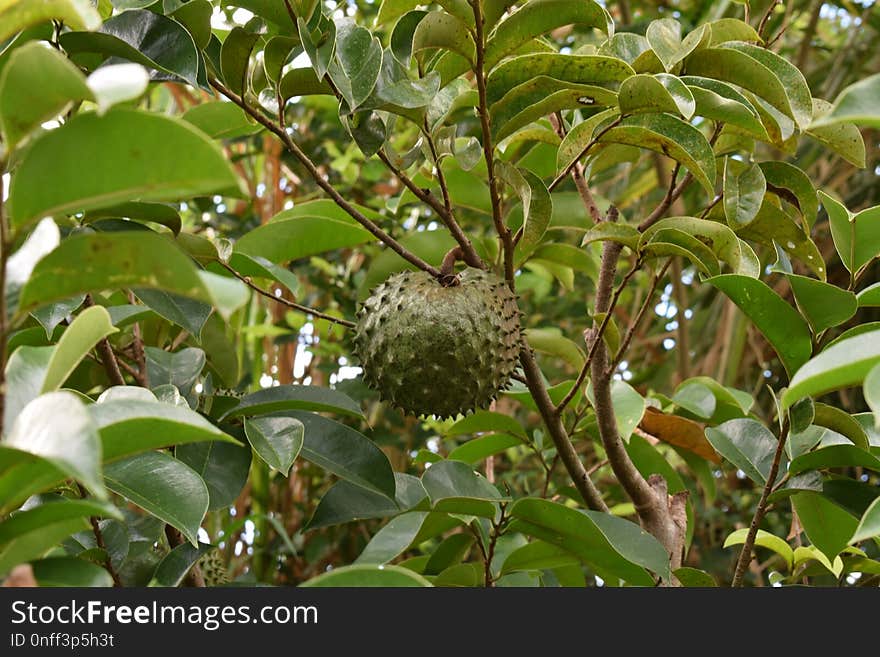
(678,431)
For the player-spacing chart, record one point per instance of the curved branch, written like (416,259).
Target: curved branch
(319,178)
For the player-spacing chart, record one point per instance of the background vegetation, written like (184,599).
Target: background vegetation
(196,196)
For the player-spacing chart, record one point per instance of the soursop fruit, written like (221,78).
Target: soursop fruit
(433,349)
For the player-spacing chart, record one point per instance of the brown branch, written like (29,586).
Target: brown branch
(672,193)
(444,212)
(562,441)
(325,185)
(99,541)
(140,357)
(290,304)
(766,17)
(661,515)
(503,231)
(577,174)
(627,339)
(745,555)
(105,352)
(290,12)
(595,140)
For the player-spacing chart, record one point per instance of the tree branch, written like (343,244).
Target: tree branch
(321,181)
(555,428)
(285,302)
(660,515)
(443,211)
(577,174)
(105,351)
(99,541)
(595,140)
(745,555)
(488,149)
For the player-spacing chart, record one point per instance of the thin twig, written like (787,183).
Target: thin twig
(627,339)
(577,174)
(443,211)
(595,140)
(290,304)
(503,231)
(99,541)
(324,184)
(105,351)
(745,555)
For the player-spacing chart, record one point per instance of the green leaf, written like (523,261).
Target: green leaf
(765,540)
(761,71)
(869,297)
(223,466)
(23,106)
(747,444)
(486,422)
(162,486)
(358,61)
(664,37)
(856,235)
(540,16)
(793,185)
(131,155)
(347,502)
(390,541)
(842,138)
(842,422)
(346,453)
(319,42)
(674,242)
(128,425)
(858,104)
(577,69)
(276,440)
(179,369)
(551,341)
(694,577)
(624,234)
(290,236)
(16,15)
(25,373)
(141,36)
(823,305)
(834,456)
(368,576)
(70,571)
(869,525)
(90,327)
(222,120)
(454,487)
(843,364)
(160,213)
(604,541)
(186,313)
(667,135)
(30,533)
(477,449)
(725,244)
(871,392)
(122,259)
(828,526)
(446,32)
(177,563)
(744,190)
(536,202)
(719,101)
(538,555)
(235,58)
(656,93)
(781,324)
(57,427)
(299,397)
(629,407)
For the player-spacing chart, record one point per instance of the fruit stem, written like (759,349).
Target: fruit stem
(447,275)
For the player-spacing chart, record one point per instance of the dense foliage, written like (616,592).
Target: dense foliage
(198,194)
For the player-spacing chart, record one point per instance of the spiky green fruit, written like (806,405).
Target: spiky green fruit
(438,350)
(213,568)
